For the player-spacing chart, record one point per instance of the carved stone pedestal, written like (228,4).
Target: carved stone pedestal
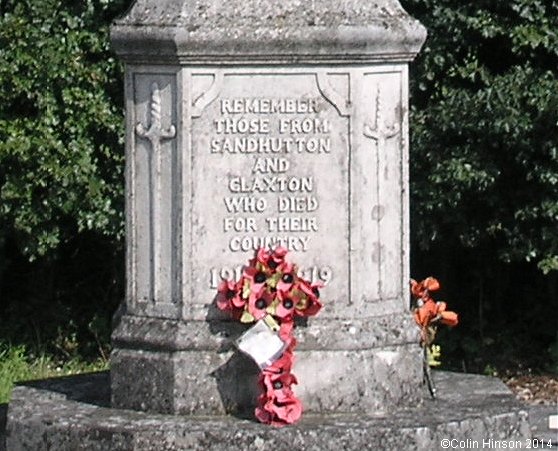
(259,125)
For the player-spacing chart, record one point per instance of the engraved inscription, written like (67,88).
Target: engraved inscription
(270,131)
(285,126)
(271,169)
(292,134)
(313,273)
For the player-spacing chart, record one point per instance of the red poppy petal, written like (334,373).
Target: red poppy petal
(238,302)
(223,303)
(286,331)
(282,312)
(312,308)
(289,413)
(280,252)
(262,415)
(262,255)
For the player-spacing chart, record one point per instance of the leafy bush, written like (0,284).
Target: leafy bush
(61,169)
(61,123)
(484,127)
(484,172)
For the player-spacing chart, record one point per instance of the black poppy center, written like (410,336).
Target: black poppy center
(277,385)
(287,278)
(288,303)
(316,292)
(230,294)
(272,263)
(260,277)
(261,304)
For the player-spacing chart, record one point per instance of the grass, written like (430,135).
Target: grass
(16,365)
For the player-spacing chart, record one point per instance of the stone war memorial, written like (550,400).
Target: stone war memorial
(262,124)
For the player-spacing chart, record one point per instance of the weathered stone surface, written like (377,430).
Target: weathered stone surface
(227,154)
(372,380)
(72,414)
(136,332)
(327,158)
(539,417)
(3,418)
(301,30)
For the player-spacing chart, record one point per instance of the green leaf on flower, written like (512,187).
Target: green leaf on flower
(433,354)
(247,317)
(246,289)
(272,308)
(274,280)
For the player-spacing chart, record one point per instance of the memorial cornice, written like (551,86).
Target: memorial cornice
(269,31)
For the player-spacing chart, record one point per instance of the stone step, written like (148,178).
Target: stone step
(73,413)
(543,428)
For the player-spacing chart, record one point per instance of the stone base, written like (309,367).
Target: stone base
(73,413)
(209,383)
(185,368)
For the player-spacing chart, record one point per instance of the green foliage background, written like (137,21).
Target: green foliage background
(484,174)
(61,172)
(484,167)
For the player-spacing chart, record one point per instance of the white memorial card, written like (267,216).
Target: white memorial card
(262,344)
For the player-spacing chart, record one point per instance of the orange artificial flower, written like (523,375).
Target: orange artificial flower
(422,289)
(425,313)
(449,318)
(428,312)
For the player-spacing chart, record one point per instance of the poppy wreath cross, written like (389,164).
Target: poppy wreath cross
(270,291)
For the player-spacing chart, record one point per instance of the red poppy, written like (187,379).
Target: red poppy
(277,404)
(262,256)
(288,276)
(256,278)
(229,299)
(277,385)
(260,261)
(425,312)
(277,257)
(279,414)
(258,302)
(312,293)
(284,363)
(286,334)
(428,312)
(287,302)
(269,260)
(423,288)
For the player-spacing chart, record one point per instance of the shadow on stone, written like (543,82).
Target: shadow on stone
(237,379)
(3,418)
(237,382)
(222,326)
(90,388)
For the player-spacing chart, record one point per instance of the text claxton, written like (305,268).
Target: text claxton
(271,184)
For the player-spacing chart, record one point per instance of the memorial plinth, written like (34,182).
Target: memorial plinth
(259,124)
(72,414)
